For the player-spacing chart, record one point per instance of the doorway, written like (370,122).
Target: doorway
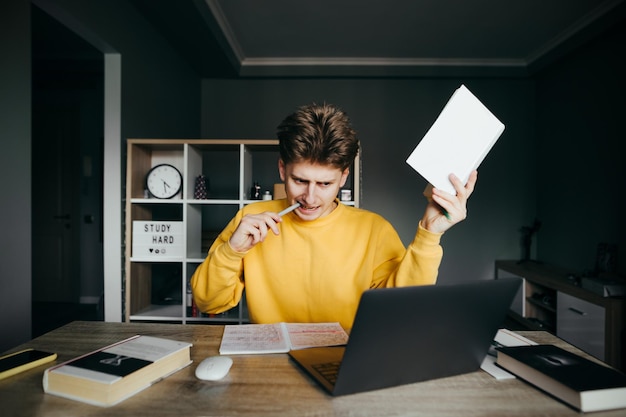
(67,172)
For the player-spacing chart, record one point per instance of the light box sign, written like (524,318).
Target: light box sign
(157,239)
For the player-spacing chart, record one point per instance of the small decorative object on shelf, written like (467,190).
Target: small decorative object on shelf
(606,257)
(267,196)
(279,191)
(527,239)
(201,190)
(255,191)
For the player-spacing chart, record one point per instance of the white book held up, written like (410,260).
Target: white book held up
(457,142)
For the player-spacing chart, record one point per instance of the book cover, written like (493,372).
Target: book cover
(582,383)
(457,142)
(280,337)
(109,375)
(504,337)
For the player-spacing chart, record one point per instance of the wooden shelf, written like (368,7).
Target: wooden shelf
(540,304)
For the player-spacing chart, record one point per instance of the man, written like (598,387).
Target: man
(312,264)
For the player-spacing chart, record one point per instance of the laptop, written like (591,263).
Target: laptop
(411,334)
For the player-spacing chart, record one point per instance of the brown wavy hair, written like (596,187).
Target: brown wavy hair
(320,134)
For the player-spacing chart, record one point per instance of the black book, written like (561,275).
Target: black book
(579,382)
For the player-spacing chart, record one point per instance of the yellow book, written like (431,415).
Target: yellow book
(17,362)
(114,373)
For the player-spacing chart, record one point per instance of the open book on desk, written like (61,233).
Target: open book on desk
(457,142)
(279,337)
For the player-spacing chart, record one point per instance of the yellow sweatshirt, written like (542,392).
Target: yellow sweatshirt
(313,271)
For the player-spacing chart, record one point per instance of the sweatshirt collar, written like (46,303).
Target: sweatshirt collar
(322,221)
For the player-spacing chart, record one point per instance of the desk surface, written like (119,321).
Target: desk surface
(266,385)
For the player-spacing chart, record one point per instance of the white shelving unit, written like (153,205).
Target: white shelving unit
(156,288)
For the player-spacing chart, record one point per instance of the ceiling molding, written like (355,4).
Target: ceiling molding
(73,24)
(376,62)
(226,30)
(603,16)
(379,67)
(328,66)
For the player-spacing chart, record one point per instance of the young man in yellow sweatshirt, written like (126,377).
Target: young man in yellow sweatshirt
(312,264)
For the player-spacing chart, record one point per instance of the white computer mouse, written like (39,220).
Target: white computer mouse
(214,368)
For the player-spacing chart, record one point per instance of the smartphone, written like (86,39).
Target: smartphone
(17,362)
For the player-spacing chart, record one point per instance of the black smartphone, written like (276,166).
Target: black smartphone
(17,362)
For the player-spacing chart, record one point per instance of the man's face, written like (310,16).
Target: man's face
(314,186)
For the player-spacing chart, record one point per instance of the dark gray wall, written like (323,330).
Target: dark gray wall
(560,158)
(160,98)
(391,116)
(160,92)
(581,132)
(15,200)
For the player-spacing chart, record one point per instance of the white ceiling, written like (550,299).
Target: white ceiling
(377,37)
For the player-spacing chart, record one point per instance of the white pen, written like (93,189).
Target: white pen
(289,209)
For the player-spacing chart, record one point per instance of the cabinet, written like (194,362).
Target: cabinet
(581,323)
(157,277)
(550,299)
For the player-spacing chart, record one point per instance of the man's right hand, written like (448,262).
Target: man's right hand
(253,229)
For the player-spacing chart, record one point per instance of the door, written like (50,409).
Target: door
(55,196)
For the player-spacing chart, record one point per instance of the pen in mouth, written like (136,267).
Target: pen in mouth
(289,209)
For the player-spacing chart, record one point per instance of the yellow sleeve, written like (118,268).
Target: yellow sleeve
(224,266)
(418,266)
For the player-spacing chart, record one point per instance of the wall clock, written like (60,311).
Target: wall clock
(164,181)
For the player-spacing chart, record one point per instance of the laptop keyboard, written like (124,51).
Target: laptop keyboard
(328,370)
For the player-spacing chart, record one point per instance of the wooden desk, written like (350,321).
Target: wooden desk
(266,385)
